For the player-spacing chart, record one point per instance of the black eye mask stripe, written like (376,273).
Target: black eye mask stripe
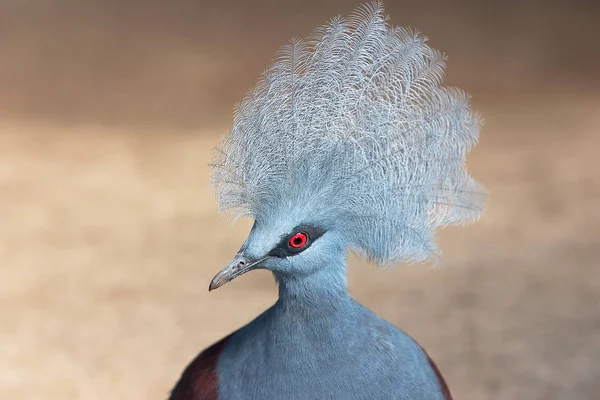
(283,249)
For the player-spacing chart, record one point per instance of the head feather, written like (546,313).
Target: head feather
(353,126)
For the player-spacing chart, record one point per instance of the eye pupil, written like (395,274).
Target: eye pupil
(298,240)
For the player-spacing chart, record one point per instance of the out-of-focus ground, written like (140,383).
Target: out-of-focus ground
(109,233)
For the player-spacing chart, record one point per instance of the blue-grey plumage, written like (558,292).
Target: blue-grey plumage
(348,142)
(316,342)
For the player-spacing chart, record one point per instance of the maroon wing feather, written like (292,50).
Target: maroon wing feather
(199,379)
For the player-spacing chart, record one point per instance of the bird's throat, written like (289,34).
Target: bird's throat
(322,292)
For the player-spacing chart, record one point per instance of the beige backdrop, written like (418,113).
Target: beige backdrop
(109,233)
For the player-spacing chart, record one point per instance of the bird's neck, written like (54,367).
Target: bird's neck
(324,291)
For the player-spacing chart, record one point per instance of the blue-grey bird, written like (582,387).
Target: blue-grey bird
(349,142)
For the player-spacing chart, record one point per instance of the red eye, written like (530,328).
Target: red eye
(298,240)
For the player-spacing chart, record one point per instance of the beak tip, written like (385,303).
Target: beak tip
(213,285)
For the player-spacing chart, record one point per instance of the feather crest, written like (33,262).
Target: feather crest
(354,125)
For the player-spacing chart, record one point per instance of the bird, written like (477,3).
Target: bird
(349,143)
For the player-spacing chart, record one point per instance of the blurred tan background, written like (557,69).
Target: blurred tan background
(109,233)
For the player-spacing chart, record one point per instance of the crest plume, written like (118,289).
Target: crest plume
(353,126)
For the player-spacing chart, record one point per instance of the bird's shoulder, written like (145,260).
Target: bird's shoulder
(443,385)
(383,333)
(199,379)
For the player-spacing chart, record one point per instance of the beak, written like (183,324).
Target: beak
(239,266)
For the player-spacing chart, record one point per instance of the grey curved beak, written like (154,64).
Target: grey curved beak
(239,266)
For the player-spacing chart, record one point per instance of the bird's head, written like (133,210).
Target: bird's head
(287,247)
(348,141)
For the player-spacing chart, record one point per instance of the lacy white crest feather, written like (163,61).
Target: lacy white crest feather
(353,125)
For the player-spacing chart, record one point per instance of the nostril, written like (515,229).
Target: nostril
(241,263)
